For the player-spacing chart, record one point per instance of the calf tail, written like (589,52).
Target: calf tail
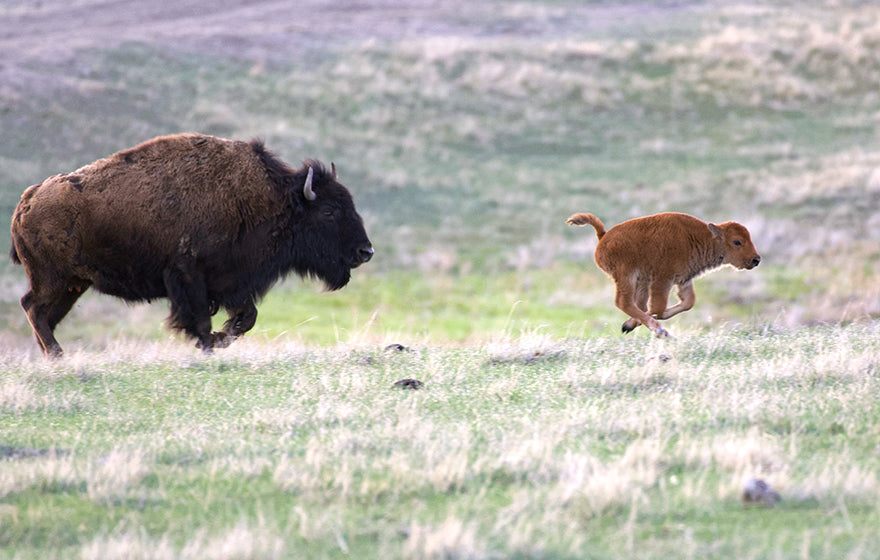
(581,219)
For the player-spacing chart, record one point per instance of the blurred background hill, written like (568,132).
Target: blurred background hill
(468,132)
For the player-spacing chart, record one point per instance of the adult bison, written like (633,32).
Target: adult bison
(205,222)
(647,256)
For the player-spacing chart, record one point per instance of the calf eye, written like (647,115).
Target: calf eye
(737,242)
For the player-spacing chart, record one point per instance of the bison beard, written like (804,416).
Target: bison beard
(203,221)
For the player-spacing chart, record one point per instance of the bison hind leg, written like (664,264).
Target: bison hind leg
(190,307)
(45,310)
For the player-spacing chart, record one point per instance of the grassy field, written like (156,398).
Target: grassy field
(525,446)
(465,153)
(467,133)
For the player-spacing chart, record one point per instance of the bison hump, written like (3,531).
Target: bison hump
(189,178)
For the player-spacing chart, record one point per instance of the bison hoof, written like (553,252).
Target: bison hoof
(215,340)
(629,326)
(222,339)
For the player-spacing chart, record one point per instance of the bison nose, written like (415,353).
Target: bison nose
(756,261)
(366,253)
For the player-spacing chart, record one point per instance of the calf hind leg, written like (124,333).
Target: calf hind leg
(642,302)
(624,302)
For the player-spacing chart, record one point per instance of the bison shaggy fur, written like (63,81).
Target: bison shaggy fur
(647,256)
(206,222)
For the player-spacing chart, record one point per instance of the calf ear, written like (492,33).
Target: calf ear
(716,231)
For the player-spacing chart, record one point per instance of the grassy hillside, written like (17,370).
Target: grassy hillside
(468,144)
(526,446)
(467,132)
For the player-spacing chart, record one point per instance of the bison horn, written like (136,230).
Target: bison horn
(333,170)
(307,188)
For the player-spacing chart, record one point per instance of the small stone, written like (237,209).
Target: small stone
(756,491)
(408,384)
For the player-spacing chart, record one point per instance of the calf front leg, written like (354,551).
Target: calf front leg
(686,297)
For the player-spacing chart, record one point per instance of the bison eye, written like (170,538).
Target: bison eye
(737,242)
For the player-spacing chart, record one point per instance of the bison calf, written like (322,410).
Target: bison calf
(647,256)
(203,221)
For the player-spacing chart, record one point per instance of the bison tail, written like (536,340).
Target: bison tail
(581,219)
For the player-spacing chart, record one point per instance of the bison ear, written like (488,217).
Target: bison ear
(307,187)
(333,170)
(716,231)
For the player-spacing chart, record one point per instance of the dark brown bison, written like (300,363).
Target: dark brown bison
(647,256)
(203,221)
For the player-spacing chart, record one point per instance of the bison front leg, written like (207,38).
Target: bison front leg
(190,308)
(686,297)
(241,320)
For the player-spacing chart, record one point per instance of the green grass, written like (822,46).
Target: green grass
(561,301)
(520,447)
(540,431)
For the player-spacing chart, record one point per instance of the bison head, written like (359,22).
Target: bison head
(329,236)
(738,248)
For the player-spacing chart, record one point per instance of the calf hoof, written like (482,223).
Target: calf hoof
(629,326)
(660,332)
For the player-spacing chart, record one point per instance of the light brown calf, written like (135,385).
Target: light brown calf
(647,256)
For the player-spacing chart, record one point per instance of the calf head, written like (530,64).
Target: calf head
(739,251)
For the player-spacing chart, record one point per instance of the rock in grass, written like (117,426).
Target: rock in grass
(408,384)
(758,492)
